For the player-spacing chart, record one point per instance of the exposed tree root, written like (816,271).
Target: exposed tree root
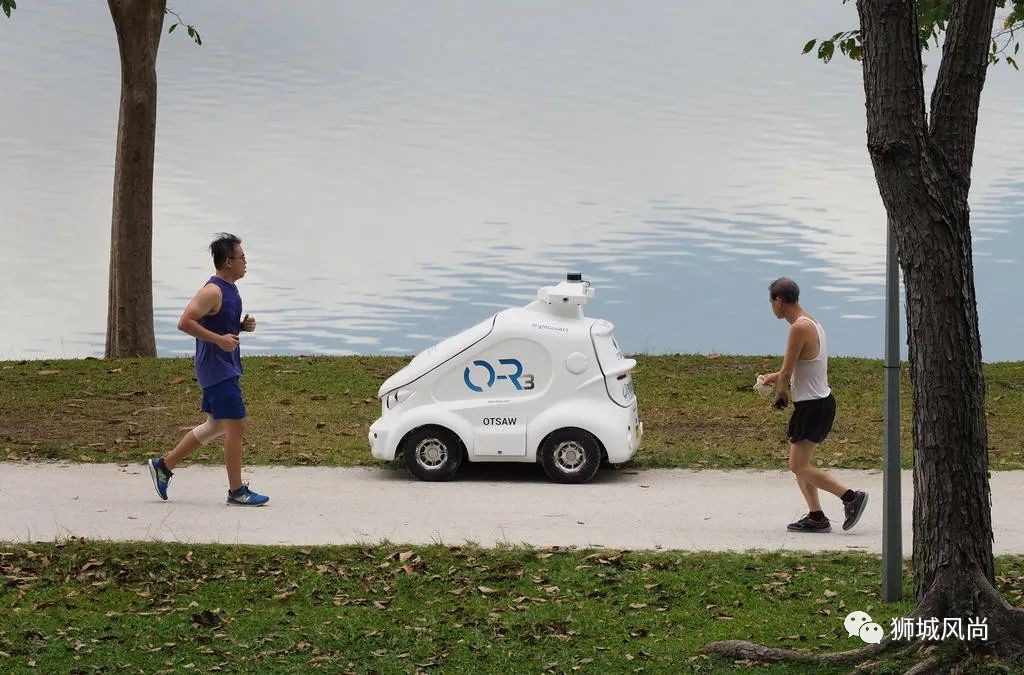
(967,593)
(938,663)
(749,650)
(894,650)
(960,592)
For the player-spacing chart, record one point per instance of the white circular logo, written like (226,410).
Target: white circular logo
(871,633)
(854,621)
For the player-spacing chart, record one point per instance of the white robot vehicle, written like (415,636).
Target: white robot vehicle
(540,383)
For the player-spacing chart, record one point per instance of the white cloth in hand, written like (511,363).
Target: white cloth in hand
(763,388)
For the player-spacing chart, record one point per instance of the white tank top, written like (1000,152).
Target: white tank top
(810,379)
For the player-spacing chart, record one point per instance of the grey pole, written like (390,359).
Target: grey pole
(892,533)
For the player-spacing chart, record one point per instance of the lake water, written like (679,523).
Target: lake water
(401,170)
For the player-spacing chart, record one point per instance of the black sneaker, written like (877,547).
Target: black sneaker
(808,524)
(854,508)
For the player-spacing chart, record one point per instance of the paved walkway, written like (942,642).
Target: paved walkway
(633,509)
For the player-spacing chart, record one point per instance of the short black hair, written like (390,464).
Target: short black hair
(222,247)
(784,289)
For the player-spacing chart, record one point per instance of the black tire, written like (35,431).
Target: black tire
(432,453)
(570,455)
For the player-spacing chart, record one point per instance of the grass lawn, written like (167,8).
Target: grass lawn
(698,411)
(153,607)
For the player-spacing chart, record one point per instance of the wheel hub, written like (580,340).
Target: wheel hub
(570,456)
(431,453)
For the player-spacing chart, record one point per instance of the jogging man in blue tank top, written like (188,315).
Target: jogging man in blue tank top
(805,374)
(214,318)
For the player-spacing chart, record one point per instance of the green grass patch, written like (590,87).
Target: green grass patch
(698,411)
(155,607)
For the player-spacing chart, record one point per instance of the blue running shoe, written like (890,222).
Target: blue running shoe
(161,476)
(243,496)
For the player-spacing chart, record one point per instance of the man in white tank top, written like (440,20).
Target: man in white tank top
(804,378)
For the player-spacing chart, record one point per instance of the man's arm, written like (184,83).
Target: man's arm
(205,302)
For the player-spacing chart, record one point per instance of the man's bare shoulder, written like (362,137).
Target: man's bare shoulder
(210,288)
(207,299)
(803,328)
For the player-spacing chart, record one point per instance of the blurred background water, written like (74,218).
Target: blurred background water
(399,170)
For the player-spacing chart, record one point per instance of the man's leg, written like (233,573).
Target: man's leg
(810,494)
(800,455)
(193,440)
(234,430)
(160,469)
(235,422)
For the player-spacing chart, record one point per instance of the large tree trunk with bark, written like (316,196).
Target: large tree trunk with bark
(923,171)
(138,24)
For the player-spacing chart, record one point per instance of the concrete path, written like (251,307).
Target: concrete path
(631,509)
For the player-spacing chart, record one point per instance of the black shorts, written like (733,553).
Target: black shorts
(812,420)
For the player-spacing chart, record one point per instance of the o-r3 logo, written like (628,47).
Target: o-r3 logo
(516,377)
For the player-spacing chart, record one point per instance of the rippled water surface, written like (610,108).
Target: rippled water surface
(400,170)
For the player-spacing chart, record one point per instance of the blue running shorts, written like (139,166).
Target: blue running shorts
(223,401)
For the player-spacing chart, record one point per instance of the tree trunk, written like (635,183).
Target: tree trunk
(952,503)
(138,24)
(923,176)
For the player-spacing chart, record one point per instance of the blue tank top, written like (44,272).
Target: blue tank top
(213,364)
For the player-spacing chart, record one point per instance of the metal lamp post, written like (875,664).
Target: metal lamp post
(892,533)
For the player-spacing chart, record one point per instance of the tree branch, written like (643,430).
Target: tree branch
(193,32)
(1003,51)
(895,105)
(958,86)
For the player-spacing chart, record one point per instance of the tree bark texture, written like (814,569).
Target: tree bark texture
(138,24)
(923,173)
